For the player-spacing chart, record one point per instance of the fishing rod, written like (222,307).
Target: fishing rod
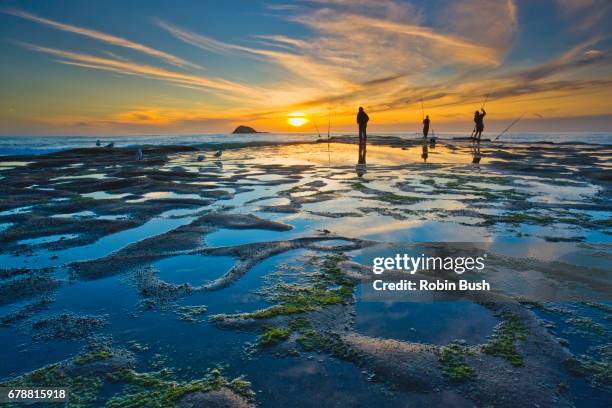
(485,101)
(509,126)
(422,109)
(314,122)
(328,122)
(328,134)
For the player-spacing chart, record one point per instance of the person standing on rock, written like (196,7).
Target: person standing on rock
(362,121)
(479,121)
(425,126)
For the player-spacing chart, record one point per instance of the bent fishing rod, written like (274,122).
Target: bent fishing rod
(509,126)
(328,134)
(314,122)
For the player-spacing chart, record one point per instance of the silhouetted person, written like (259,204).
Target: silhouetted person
(479,121)
(362,121)
(426,126)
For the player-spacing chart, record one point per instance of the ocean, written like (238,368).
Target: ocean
(24,145)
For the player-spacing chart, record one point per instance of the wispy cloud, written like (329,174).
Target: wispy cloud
(297,63)
(483,23)
(586,15)
(100,36)
(126,67)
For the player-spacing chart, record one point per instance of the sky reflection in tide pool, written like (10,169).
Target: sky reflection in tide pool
(399,200)
(438,322)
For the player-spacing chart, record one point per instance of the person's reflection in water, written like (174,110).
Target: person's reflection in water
(361,168)
(476,156)
(425,153)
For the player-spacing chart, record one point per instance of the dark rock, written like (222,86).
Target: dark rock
(244,129)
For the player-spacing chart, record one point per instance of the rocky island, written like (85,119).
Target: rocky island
(244,129)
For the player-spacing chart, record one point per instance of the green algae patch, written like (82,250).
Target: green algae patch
(92,356)
(328,287)
(452,358)
(299,324)
(596,366)
(67,326)
(327,342)
(587,324)
(83,390)
(83,375)
(502,343)
(191,314)
(99,365)
(600,372)
(154,390)
(272,336)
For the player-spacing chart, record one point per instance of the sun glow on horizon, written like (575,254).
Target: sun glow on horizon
(297,119)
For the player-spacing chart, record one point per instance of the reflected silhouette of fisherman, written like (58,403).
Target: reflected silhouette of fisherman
(476,156)
(426,126)
(361,168)
(479,121)
(425,153)
(362,121)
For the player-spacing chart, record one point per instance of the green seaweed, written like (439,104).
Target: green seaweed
(299,324)
(83,390)
(92,356)
(330,287)
(272,336)
(586,323)
(600,371)
(502,343)
(327,342)
(452,358)
(152,390)
(190,313)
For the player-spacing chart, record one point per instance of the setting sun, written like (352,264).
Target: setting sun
(296,119)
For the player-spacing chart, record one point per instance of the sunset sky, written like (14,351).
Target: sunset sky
(149,67)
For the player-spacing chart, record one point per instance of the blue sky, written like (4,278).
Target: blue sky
(126,67)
